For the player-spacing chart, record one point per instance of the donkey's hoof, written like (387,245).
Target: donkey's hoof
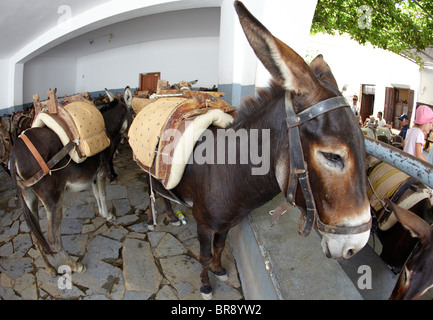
(51,271)
(110,217)
(151,227)
(206,296)
(79,267)
(206,292)
(222,277)
(176,223)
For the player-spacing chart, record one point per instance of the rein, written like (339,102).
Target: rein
(299,170)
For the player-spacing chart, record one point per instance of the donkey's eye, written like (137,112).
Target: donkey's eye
(334,160)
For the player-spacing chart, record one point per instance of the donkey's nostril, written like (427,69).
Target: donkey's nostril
(349,253)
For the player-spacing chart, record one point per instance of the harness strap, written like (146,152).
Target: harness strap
(324,106)
(50,164)
(298,167)
(35,153)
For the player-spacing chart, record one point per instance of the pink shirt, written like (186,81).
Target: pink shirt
(413,136)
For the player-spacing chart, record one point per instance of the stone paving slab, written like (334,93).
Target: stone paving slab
(124,259)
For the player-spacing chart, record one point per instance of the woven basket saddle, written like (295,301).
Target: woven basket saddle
(389,182)
(78,121)
(165,130)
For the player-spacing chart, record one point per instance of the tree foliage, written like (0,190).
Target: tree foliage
(403,27)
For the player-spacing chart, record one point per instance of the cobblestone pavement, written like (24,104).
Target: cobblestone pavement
(124,259)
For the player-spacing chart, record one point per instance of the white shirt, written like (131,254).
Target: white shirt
(413,136)
(381,123)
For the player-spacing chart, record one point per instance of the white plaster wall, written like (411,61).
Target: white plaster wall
(426,86)
(177,59)
(354,64)
(288,20)
(4,87)
(43,73)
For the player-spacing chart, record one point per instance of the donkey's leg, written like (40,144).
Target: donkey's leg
(205,239)
(100,193)
(219,243)
(32,203)
(54,219)
(168,208)
(95,191)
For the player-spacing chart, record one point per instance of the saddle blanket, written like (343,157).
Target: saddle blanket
(386,180)
(78,121)
(174,124)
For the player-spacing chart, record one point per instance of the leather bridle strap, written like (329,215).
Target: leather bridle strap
(299,171)
(312,112)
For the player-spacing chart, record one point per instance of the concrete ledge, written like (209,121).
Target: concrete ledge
(276,263)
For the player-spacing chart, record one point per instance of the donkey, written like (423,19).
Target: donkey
(397,242)
(222,195)
(76,177)
(6,143)
(417,274)
(118,138)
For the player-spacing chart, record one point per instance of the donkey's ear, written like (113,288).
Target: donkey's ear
(110,95)
(127,96)
(417,227)
(284,64)
(322,70)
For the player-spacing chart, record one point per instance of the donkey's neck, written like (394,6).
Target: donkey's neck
(267,171)
(113,115)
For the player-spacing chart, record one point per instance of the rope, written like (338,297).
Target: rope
(58,169)
(152,199)
(377,197)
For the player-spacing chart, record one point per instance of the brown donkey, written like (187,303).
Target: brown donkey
(300,121)
(74,176)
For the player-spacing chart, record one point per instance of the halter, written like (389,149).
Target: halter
(299,171)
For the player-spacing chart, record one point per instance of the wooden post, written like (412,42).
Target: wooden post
(52,101)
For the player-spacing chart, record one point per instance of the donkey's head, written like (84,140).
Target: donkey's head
(417,275)
(332,143)
(118,109)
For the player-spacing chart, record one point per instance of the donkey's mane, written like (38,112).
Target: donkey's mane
(258,104)
(109,106)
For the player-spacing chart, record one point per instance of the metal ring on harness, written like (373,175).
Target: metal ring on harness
(298,166)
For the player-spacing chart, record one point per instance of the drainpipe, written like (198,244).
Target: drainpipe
(421,170)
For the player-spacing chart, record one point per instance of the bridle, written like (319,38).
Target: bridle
(299,170)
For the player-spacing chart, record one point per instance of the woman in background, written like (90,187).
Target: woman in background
(415,136)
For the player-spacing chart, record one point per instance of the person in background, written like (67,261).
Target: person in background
(415,136)
(380,120)
(404,125)
(354,106)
